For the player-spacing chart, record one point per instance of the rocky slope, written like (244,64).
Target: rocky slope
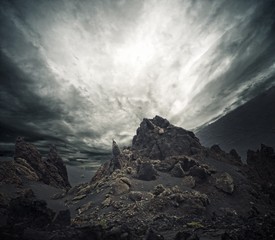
(165,186)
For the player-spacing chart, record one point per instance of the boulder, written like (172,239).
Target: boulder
(177,171)
(146,171)
(225,183)
(119,187)
(198,172)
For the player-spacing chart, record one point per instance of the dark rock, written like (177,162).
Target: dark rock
(135,195)
(115,149)
(29,164)
(177,171)
(170,141)
(198,172)
(235,155)
(60,169)
(187,163)
(225,183)
(146,172)
(29,212)
(158,189)
(263,162)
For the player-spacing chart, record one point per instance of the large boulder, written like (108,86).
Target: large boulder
(157,139)
(225,183)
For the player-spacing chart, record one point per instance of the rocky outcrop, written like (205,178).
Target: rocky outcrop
(28,165)
(157,139)
(263,162)
(166,186)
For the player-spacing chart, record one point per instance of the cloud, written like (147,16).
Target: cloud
(86,72)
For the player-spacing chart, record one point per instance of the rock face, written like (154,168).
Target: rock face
(225,183)
(157,139)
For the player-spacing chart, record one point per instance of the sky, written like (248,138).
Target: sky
(85,72)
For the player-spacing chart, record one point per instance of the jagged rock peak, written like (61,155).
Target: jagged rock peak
(115,149)
(157,139)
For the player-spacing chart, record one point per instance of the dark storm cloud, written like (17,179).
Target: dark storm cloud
(84,72)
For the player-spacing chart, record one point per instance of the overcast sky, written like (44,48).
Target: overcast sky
(85,72)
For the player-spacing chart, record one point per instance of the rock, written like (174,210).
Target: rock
(172,140)
(198,172)
(146,172)
(107,202)
(177,171)
(187,163)
(235,155)
(29,164)
(119,187)
(189,181)
(263,162)
(158,189)
(79,197)
(85,207)
(115,149)
(60,168)
(62,218)
(135,196)
(225,183)
(116,160)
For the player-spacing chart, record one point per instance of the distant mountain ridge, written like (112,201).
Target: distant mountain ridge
(245,127)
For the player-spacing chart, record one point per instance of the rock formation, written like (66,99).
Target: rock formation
(165,186)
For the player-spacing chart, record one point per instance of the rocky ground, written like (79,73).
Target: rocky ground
(165,186)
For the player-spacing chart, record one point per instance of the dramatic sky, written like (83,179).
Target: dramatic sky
(87,71)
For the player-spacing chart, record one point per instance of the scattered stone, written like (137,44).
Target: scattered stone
(177,171)
(189,181)
(79,197)
(85,207)
(158,189)
(135,196)
(225,183)
(119,187)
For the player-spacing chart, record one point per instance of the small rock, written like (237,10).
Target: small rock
(189,181)
(158,189)
(177,171)
(135,196)
(119,187)
(146,172)
(79,197)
